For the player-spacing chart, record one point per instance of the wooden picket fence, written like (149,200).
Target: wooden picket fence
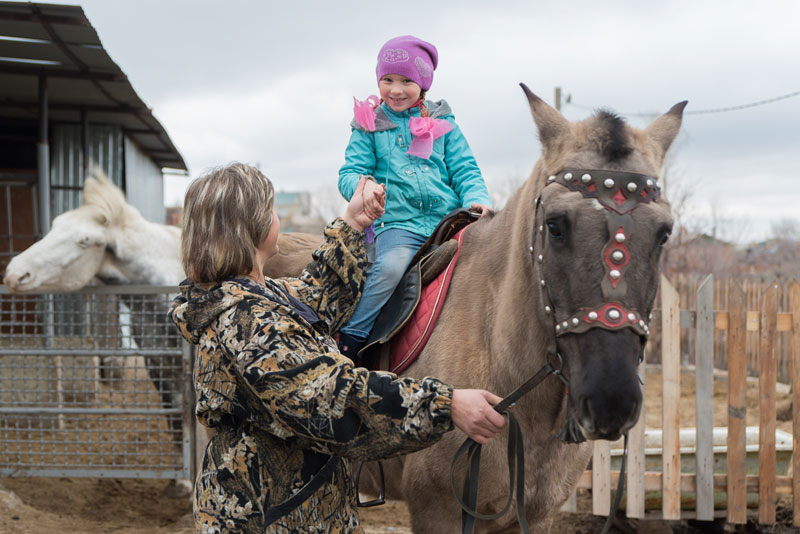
(741,325)
(755,289)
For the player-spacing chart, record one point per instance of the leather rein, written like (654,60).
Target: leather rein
(619,193)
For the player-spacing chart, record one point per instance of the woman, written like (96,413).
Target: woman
(289,410)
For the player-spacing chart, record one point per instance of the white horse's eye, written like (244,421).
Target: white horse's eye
(89,241)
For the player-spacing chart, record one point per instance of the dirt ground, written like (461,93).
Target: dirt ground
(44,506)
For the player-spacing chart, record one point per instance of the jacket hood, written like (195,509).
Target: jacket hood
(198,305)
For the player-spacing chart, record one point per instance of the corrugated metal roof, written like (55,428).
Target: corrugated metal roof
(60,43)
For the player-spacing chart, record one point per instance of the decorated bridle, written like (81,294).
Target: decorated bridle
(619,193)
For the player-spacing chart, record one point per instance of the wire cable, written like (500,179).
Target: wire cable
(701,111)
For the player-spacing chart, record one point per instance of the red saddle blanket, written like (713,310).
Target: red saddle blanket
(406,345)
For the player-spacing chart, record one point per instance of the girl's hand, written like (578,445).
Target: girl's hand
(374,199)
(483,208)
(473,413)
(356,214)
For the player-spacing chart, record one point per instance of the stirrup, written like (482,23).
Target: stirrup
(379,500)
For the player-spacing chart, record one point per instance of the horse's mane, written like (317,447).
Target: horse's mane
(611,135)
(105,200)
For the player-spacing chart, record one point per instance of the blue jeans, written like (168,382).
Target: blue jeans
(394,249)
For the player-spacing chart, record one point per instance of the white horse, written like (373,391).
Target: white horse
(108,239)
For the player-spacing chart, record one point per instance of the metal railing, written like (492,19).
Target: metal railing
(95,383)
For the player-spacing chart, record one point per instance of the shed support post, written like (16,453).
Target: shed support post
(43,160)
(87,166)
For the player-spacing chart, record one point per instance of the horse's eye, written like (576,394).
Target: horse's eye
(555,230)
(89,241)
(664,239)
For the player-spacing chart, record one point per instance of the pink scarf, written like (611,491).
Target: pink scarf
(423,129)
(365,112)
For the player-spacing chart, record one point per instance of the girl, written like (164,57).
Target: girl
(413,150)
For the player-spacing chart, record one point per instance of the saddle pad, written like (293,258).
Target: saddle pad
(408,343)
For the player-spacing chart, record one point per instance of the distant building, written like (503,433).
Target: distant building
(776,257)
(294,211)
(174,215)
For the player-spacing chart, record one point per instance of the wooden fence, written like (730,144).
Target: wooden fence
(742,327)
(754,288)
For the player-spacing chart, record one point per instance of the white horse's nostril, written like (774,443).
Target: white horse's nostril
(13,281)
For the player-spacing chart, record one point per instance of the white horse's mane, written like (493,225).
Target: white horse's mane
(105,201)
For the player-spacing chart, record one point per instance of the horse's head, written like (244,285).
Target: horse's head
(75,249)
(600,225)
(65,259)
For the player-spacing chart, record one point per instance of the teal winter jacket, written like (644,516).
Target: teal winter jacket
(419,192)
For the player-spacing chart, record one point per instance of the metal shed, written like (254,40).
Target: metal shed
(65,104)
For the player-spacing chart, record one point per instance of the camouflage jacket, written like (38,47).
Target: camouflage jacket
(283,399)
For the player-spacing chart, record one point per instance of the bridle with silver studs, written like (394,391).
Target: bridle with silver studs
(619,193)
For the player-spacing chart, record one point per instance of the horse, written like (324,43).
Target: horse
(107,239)
(527,282)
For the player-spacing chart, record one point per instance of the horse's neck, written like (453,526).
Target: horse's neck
(499,266)
(146,252)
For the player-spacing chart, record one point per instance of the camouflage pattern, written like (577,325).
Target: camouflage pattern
(282,398)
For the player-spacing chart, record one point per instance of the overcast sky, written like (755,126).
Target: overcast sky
(271,83)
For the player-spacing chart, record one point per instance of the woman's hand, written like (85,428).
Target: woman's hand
(483,208)
(473,413)
(358,214)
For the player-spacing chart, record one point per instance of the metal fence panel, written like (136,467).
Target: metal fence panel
(66,162)
(144,184)
(94,391)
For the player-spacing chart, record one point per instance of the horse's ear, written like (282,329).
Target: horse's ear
(551,123)
(98,174)
(665,128)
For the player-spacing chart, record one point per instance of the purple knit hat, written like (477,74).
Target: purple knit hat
(410,57)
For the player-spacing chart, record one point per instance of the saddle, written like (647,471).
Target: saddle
(398,315)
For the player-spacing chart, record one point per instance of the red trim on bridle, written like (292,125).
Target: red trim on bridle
(617,193)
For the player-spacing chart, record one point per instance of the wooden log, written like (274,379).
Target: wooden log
(794,351)
(767,376)
(571,504)
(636,462)
(671,379)
(737,404)
(704,388)
(653,482)
(601,488)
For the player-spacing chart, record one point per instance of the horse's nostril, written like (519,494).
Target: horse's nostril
(587,414)
(587,407)
(13,281)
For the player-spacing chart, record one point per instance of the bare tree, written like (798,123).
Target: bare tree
(500,190)
(786,229)
(327,203)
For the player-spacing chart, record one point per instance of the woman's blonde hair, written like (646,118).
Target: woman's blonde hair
(227,213)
